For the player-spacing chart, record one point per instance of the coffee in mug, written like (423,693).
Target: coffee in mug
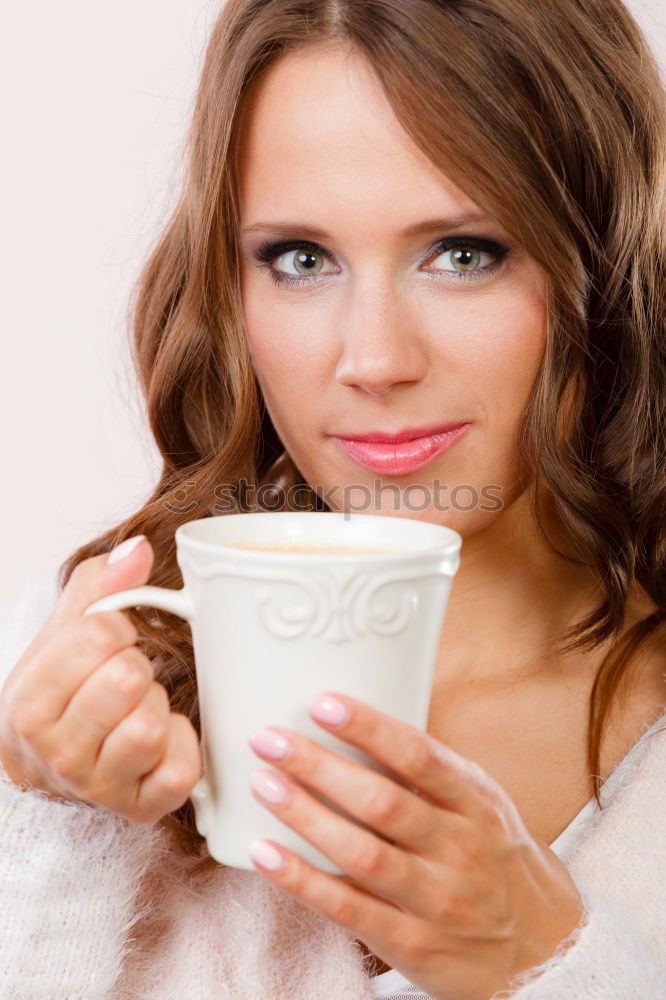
(290,547)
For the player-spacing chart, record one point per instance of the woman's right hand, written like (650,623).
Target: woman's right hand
(81,716)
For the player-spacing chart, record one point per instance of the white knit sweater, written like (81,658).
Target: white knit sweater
(93,907)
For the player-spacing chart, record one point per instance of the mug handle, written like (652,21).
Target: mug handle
(178,602)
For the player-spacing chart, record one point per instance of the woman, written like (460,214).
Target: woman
(396,218)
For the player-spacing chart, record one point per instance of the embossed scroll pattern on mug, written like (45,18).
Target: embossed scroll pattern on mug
(338,604)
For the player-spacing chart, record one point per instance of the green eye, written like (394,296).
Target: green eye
(469,259)
(304,261)
(465,258)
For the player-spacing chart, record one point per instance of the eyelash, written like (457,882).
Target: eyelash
(267,252)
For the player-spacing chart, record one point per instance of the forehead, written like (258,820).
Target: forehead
(319,140)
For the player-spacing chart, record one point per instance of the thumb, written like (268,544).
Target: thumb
(127,565)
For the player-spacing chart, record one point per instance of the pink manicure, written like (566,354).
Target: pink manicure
(268,743)
(269,786)
(328,710)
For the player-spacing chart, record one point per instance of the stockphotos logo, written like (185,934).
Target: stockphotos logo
(350,497)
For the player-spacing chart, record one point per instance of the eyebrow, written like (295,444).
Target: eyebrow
(302,230)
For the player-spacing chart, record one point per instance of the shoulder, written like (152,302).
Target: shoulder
(643,762)
(637,720)
(621,854)
(630,830)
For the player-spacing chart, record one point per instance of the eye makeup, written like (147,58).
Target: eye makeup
(267,251)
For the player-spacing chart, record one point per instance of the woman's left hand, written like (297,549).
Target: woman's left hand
(454,892)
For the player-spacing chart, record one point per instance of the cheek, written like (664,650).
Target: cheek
(499,352)
(285,346)
(496,360)
(288,367)
(290,371)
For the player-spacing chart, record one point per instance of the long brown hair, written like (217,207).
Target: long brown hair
(551,117)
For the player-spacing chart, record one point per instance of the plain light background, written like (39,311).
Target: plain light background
(96,102)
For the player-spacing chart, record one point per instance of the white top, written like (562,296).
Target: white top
(93,907)
(392,985)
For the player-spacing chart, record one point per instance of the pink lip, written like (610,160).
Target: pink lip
(402,457)
(408,434)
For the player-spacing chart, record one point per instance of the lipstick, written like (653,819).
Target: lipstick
(399,454)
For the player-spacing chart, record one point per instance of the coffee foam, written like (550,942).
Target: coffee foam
(312,548)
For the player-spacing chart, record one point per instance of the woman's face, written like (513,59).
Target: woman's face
(364,326)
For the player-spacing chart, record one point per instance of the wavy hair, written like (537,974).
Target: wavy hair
(551,117)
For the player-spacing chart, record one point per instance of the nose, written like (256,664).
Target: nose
(382,346)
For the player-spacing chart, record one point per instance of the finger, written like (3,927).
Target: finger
(397,813)
(59,667)
(450,780)
(135,746)
(374,921)
(110,693)
(171,781)
(96,577)
(90,579)
(377,866)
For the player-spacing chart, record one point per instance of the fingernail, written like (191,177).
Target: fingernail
(268,743)
(326,709)
(265,855)
(269,787)
(124,549)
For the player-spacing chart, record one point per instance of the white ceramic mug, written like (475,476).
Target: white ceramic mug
(272,628)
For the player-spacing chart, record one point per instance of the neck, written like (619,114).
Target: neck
(510,599)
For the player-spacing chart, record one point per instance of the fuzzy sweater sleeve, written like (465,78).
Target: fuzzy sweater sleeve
(69,878)
(69,871)
(608,957)
(618,951)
